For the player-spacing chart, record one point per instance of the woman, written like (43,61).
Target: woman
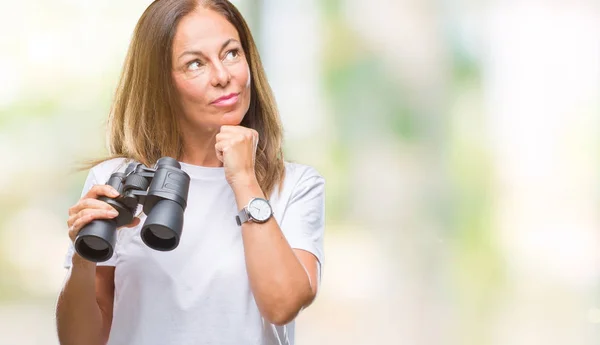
(193,88)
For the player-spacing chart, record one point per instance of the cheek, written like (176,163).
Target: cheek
(190,90)
(241,74)
(245,81)
(248,77)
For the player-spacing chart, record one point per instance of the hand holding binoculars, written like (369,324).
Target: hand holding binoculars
(163,192)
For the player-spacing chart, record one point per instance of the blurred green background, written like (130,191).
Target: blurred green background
(459,141)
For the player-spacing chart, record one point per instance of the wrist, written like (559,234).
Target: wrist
(245,188)
(81,263)
(243,181)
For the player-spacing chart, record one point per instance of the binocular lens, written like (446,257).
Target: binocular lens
(161,232)
(159,238)
(95,241)
(163,226)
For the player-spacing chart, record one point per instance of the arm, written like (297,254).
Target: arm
(84,308)
(283,280)
(85,304)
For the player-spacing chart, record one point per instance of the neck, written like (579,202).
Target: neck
(199,147)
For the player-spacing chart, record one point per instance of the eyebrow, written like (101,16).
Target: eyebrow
(197,52)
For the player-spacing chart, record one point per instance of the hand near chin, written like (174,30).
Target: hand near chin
(236,148)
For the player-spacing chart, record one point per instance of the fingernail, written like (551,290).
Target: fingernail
(112,213)
(113,192)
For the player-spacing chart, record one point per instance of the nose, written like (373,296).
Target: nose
(220,75)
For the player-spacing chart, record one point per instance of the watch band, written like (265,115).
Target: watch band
(243,216)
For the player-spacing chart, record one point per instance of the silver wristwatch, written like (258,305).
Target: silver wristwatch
(258,210)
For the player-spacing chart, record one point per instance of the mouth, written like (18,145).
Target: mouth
(226,100)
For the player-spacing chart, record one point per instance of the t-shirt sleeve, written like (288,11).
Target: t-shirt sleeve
(303,223)
(90,181)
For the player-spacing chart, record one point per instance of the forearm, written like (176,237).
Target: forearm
(279,282)
(78,316)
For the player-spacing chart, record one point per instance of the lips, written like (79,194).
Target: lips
(229,99)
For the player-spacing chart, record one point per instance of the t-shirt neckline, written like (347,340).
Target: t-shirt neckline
(202,172)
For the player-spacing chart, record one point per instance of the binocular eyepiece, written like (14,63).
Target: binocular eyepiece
(163,192)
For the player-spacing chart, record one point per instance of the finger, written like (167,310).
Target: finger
(89,203)
(227,129)
(102,190)
(77,222)
(95,213)
(235,130)
(227,137)
(237,134)
(244,134)
(219,155)
(221,146)
(222,136)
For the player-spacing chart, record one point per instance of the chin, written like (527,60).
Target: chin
(233,118)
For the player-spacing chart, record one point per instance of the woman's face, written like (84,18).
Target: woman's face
(210,71)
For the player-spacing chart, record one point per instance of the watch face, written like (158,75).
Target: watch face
(260,210)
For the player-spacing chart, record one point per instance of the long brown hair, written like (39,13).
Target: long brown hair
(143,125)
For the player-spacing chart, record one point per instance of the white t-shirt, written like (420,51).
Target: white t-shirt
(199,292)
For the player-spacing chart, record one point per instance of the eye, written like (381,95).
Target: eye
(232,54)
(194,65)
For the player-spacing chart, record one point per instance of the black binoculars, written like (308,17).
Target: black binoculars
(163,192)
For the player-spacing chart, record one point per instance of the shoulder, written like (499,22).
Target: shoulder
(298,180)
(296,173)
(302,195)
(102,171)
